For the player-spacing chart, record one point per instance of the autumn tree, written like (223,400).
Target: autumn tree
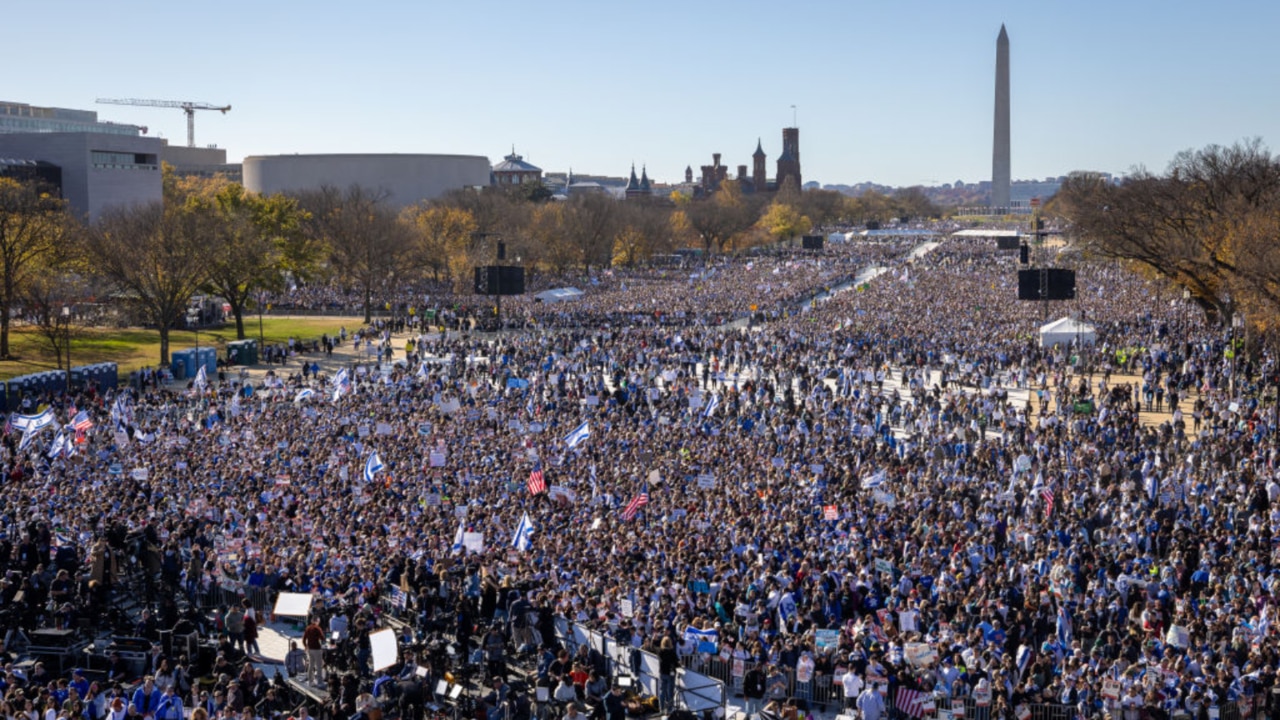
(365,240)
(437,234)
(49,299)
(258,241)
(33,223)
(590,224)
(156,258)
(717,220)
(783,222)
(1208,224)
(644,230)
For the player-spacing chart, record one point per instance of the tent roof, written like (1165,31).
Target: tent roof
(985,233)
(1067,325)
(558,294)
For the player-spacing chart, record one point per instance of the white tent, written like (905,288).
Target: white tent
(1066,331)
(558,295)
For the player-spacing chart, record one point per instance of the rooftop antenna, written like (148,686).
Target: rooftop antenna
(793,116)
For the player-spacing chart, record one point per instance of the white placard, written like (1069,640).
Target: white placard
(383,645)
(383,428)
(293,605)
(473,542)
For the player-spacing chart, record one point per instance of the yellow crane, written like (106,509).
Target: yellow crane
(185,106)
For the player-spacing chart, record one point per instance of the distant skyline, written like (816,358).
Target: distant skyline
(892,93)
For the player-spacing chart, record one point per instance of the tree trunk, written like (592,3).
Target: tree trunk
(164,344)
(6,304)
(237,309)
(4,333)
(368,304)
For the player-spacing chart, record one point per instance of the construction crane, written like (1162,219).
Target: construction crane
(186,106)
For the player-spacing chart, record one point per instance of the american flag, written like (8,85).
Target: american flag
(537,483)
(910,702)
(81,421)
(634,506)
(1047,494)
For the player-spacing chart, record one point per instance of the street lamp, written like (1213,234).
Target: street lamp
(66,322)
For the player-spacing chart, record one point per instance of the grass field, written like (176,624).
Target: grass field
(132,348)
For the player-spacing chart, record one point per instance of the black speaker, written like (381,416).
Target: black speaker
(1061,284)
(812,242)
(502,251)
(499,280)
(1024,254)
(1007,243)
(873,225)
(1047,284)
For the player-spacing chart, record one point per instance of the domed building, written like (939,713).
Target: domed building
(513,170)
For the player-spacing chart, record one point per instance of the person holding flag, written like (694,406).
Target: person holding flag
(372,466)
(524,534)
(537,483)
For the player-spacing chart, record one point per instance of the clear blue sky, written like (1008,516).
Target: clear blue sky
(896,92)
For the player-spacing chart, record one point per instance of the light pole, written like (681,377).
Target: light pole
(261,299)
(66,322)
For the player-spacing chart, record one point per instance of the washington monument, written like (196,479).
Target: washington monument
(1000,151)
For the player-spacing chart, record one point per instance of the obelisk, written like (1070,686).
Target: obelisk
(1000,176)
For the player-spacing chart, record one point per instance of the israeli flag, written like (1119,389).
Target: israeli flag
(875,481)
(1023,659)
(457,541)
(372,466)
(704,640)
(1064,626)
(575,438)
(235,405)
(202,379)
(341,384)
(59,444)
(712,404)
(786,610)
(303,394)
(524,532)
(32,423)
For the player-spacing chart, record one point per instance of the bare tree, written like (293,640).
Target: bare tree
(365,240)
(155,257)
(32,224)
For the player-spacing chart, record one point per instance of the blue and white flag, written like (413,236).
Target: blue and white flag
(32,422)
(524,533)
(457,540)
(202,379)
(786,610)
(705,641)
(712,404)
(372,466)
(580,433)
(874,481)
(1023,659)
(235,405)
(341,384)
(303,394)
(1064,626)
(59,445)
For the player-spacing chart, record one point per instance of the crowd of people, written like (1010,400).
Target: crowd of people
(895,488)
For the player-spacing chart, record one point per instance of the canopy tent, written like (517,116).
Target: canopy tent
(1066,331)
(558,295)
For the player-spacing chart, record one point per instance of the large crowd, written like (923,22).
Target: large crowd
(899,462)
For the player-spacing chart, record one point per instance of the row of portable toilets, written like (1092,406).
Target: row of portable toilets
(105,376)
(186,363)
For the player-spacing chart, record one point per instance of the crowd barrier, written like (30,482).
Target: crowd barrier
(695,691)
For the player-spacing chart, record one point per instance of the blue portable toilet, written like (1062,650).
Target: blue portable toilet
(208,357)
(107,375)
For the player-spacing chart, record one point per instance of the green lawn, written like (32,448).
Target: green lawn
(132,348)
